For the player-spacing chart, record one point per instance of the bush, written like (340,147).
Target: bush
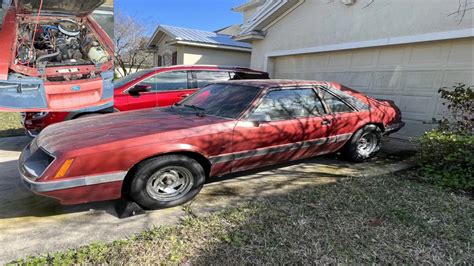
(447,159)
(446,154)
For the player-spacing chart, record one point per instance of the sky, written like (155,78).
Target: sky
(197,14)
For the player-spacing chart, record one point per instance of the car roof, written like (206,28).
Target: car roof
(191,67)
(274,83)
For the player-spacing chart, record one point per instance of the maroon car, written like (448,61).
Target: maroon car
(161,157)
(155,87)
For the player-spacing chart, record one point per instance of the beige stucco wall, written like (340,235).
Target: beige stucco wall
(207,56)
(409,74)
(164,47)
(322,22)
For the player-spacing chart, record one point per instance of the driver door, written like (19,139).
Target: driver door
(143,99)
(292,117)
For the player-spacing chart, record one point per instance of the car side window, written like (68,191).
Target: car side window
(206,77)
(289,104)
(334,104)
(167,81)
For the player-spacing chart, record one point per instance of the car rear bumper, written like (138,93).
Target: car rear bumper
(83,189)
(394,127)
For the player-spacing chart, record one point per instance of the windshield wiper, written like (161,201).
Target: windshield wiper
(200,110)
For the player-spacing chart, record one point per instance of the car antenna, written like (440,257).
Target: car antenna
(36,25)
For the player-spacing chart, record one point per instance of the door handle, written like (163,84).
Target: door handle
(184,95)
(326,122)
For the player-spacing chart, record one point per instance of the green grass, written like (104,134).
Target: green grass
(357,220)
(10,125)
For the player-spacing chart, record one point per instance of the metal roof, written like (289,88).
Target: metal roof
(200,36)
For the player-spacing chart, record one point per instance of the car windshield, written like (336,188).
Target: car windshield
(222,100)
(124,80)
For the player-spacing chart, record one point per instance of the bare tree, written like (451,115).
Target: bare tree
(463,7)
(130,44)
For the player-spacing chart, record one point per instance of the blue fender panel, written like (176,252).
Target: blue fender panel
(108,84)
(21,92)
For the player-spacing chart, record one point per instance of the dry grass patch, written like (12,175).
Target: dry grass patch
(10,125)
(366,220)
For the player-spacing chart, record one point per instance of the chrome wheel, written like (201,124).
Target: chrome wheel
(169,183)
(367,144)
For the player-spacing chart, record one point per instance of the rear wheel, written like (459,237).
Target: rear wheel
(166,181)
(364,144)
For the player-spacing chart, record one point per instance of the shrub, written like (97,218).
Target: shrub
(447,159)
(446,154)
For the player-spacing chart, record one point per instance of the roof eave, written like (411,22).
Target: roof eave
(262,19)
(250,37)
(247,6)
(210,45)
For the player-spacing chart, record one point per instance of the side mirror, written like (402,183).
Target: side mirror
(137,89)
(258,119)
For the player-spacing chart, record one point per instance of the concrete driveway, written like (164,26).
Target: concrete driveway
(30,224)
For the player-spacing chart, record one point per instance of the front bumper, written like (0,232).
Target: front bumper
(394,127)
(30,94)
(76,190)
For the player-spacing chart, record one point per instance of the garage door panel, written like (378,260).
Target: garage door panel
(462,52)
(340,60)
(423,80)
(427,53)
(391,56)
(359,79)
(417,107)
(387,79)
(453,77)
(363,58)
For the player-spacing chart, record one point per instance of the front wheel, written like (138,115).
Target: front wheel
(166,181)
(364,144)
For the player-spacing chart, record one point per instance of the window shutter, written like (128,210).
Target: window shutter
(175,58)
(159,61)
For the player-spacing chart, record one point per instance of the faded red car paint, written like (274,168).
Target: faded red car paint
(34,122)
(107,147)
(95,92)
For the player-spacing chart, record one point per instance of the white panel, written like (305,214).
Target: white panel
(426,53)
(462,52)
(388,79)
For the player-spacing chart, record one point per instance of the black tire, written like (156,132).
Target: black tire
(352,151)
(155,172)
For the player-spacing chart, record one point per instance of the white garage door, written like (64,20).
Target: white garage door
(410,75)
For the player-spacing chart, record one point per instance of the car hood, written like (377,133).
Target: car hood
(105,129)
(59,7)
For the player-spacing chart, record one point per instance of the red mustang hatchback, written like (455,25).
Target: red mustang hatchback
(161,157)
(156,87)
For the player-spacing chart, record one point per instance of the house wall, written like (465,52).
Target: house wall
(306,44)
(208,56)
(322,22)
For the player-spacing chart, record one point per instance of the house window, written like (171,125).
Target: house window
(290,104)
(167,59)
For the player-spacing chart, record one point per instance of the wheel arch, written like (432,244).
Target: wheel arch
(200,158)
